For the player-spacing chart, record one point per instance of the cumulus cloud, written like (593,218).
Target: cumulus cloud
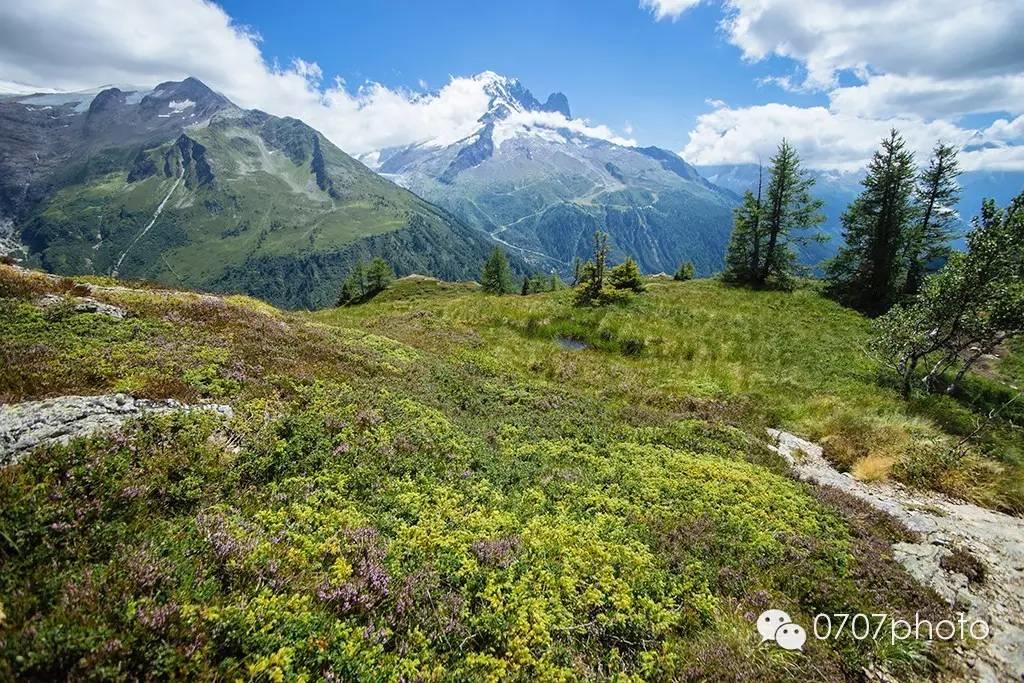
(668,9)
(525,122)
(80,45)
(1002,130)
(835,141)
(893,95)
(936,38)
(922,65)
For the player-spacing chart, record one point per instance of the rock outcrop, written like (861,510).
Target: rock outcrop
(946,528)
(24,426)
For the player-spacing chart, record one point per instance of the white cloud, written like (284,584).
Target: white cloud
(785,82)
(935,38)
(893,95)
(75,46)
(668,9)
(1002,130)
(922,65)
(546,123)
(836,141)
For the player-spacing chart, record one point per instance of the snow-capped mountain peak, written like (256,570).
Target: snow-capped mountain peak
(509,95)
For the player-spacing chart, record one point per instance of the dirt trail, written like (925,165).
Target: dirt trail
(996,539)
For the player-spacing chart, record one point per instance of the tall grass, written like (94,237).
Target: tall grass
(793,360)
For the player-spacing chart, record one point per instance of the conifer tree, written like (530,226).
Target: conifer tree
(743,256)
(577,270)
(627,275)
(869,272)
(937,194)
(787,213)
(496,277)
(767,226)
(686,272)
(591,277)
(354,288)
(378,276)
(364,282)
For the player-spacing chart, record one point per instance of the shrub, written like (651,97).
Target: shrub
(627,275)
(685,272)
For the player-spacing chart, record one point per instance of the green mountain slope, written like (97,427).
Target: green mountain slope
(181,187)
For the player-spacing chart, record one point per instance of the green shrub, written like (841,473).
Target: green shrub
(627,275)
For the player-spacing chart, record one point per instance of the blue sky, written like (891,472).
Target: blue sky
(718,81)
(614,62)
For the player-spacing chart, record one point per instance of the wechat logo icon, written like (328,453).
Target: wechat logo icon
(775,625)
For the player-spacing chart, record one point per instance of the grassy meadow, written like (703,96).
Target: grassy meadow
(793,360)
(434,486)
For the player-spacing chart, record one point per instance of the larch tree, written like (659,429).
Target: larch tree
(790,213)
(379,275)
(496,276)
(743,256)
(869,272)
(936,195)
(768,227)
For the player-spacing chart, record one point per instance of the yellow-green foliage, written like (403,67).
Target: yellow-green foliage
(434,489)
(364,535)
(788,359)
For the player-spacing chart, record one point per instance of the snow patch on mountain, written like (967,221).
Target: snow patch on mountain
(179,106)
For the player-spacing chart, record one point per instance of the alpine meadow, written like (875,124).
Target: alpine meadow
(328,352)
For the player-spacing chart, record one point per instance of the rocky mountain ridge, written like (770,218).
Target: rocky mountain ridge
(179,185)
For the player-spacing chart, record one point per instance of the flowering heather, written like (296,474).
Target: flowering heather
(498,552)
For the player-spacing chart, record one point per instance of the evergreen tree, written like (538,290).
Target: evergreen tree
(378,276)
(686,272)
(937,194)
(767,226)
(869,272)
(577,270)
(354,288)
(591,277)
(526,286)
(788,210)
(496,277)
(743,256)
(364,282)
(627,275)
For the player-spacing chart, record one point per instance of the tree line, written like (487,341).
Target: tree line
(594,283)
(365,281)
(895,263)
(936,311)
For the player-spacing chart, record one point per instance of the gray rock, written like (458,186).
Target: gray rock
(82,304)
(24,426)
(992,537)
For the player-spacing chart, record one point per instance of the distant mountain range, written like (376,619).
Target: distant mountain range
(177,184)
(542,183)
